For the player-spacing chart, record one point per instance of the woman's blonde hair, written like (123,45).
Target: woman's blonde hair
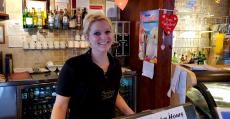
(91,18)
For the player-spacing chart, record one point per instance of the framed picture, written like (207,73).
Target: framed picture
(2,6)
(2,34)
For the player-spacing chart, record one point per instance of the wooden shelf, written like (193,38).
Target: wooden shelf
(4,16)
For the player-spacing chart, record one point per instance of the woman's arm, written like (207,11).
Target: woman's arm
(122,106)
(60,107)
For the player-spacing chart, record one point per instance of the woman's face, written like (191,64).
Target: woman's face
(100,36)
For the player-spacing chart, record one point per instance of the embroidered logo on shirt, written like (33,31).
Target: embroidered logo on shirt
(107,94)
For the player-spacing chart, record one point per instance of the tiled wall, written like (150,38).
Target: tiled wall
(28,58)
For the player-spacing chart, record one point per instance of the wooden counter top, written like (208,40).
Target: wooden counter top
(25,79)
(210,73)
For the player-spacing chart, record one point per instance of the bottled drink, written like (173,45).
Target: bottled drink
(40,20)
(44,19)
(25,14)
(182,59)
(79,19)
(51,21)
(200,58)
(84,13)
(72,21)
(57,23)
(35,17)
(65,20)
(29,20)
(174,58)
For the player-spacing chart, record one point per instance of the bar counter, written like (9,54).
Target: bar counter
(210,73)
(28,96)
(31,96)
(35,78)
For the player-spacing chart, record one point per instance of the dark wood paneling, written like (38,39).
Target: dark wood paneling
(151,94)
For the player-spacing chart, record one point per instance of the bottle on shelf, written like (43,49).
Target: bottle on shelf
(29,20)
(35,17)
(72,21)
(57,21)
(44,19)
(182,59)
(65,20)
(200,58)
(174,58)
(25,14)
(40,19)
(192,59)
(79,19)
(51,20)
(84,12)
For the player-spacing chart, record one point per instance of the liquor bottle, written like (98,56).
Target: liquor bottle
(61,12)
(29,20)
(35,17)
(57,23)
(72,21)
(200,58)
(25,14)
(182,59)
(51,21)
(79,19)
(40,19)
(65,20)
(84,13)
(44,20)
(174,58)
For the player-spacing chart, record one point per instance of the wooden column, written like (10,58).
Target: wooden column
(151,93)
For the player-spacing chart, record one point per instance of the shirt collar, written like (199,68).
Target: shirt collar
(89,56)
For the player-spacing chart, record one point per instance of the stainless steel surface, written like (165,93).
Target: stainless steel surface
(220,92)
(8,108)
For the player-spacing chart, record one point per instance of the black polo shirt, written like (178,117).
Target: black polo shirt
(92,92)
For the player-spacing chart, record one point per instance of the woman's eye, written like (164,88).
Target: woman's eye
(107,32)
(97,33)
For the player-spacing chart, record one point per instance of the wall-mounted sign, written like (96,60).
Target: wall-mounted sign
(96,9)
(148,35)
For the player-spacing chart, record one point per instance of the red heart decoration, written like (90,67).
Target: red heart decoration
(121,3)
(168,22)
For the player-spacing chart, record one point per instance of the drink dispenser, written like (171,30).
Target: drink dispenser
(226,47)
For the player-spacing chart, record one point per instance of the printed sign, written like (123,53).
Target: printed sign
(174,113)
(148,35)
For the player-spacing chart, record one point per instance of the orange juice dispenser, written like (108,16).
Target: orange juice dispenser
(226,47)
